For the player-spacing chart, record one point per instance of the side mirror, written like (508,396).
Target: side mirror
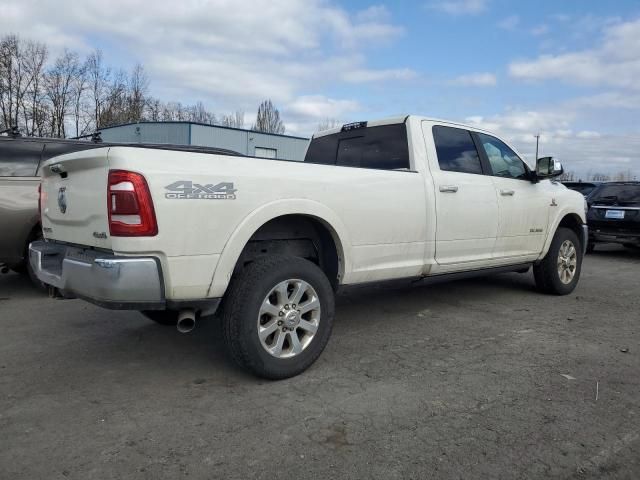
(548,167)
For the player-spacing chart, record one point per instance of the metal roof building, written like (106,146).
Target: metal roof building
(246,142)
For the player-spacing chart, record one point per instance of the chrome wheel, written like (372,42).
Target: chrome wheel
(567,262)
(289,318)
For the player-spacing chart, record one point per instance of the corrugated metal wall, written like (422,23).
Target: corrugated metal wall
(205,136)
(174,133)
(242,141)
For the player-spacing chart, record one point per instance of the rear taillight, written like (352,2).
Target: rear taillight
(130,207)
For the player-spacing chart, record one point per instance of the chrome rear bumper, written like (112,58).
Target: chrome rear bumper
(100,277)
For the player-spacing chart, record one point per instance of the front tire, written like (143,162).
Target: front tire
(559,271)
(278,316)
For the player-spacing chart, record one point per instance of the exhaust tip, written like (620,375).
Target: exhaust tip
(186,321)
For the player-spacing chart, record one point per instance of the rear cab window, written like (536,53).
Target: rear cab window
(19,158)
(383,147)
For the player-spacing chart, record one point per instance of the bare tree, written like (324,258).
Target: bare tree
(70,95)
(624,176)
(16,78)
(328,123)
(137,94)
(34,108)
(235,120)
(114,109)
(153,110)
(568,176)
(59,83)
(98,78)
(79,90)
(198,113)
(268,119)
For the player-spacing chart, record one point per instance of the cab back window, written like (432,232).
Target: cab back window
(383,148)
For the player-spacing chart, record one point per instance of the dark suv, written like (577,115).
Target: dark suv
(614,214)
(585,188)
(20,158)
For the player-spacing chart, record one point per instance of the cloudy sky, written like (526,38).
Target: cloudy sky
(569,70)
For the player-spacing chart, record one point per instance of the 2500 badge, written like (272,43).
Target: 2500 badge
(187,190)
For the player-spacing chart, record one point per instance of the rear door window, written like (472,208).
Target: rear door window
(456,150)
(382,148)
(19,158)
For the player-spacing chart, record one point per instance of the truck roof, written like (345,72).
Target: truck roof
(395,120)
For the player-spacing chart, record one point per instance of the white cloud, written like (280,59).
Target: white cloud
(588,134)
(319,106)
(539,30)
(367,75)
(230,55)
(580,151)
(459,7)
(476,80)
(614,63)
(509,23)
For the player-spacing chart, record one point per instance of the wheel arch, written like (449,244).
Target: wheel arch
(567,219)
(313,212)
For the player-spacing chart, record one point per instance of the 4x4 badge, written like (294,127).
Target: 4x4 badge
(62,199)
(188,190)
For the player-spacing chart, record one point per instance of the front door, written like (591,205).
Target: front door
(523,206)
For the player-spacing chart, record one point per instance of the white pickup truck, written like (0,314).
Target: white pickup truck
(174,234)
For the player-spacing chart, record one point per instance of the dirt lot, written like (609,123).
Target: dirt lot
(474,379)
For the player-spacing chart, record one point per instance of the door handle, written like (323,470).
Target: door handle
(507,193)
(448,188)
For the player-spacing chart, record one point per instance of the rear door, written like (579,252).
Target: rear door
(523,206)
(466,204)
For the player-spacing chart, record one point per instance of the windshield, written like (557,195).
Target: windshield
(616,195)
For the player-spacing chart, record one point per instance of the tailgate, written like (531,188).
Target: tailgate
(74,205)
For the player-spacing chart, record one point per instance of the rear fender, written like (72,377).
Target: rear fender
(256,219)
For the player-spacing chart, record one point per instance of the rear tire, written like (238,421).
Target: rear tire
(162,317)
(277,316)
(559,271)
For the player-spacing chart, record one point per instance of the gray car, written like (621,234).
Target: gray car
(20,158)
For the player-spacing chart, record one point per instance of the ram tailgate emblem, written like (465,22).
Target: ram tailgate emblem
(62,199)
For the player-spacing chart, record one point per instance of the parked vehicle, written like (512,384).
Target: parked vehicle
(174,234)
(20,158)
(614,214)
(585,188)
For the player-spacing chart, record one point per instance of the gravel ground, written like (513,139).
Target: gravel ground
(474,379)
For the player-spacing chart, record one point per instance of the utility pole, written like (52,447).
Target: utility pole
(537,144)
